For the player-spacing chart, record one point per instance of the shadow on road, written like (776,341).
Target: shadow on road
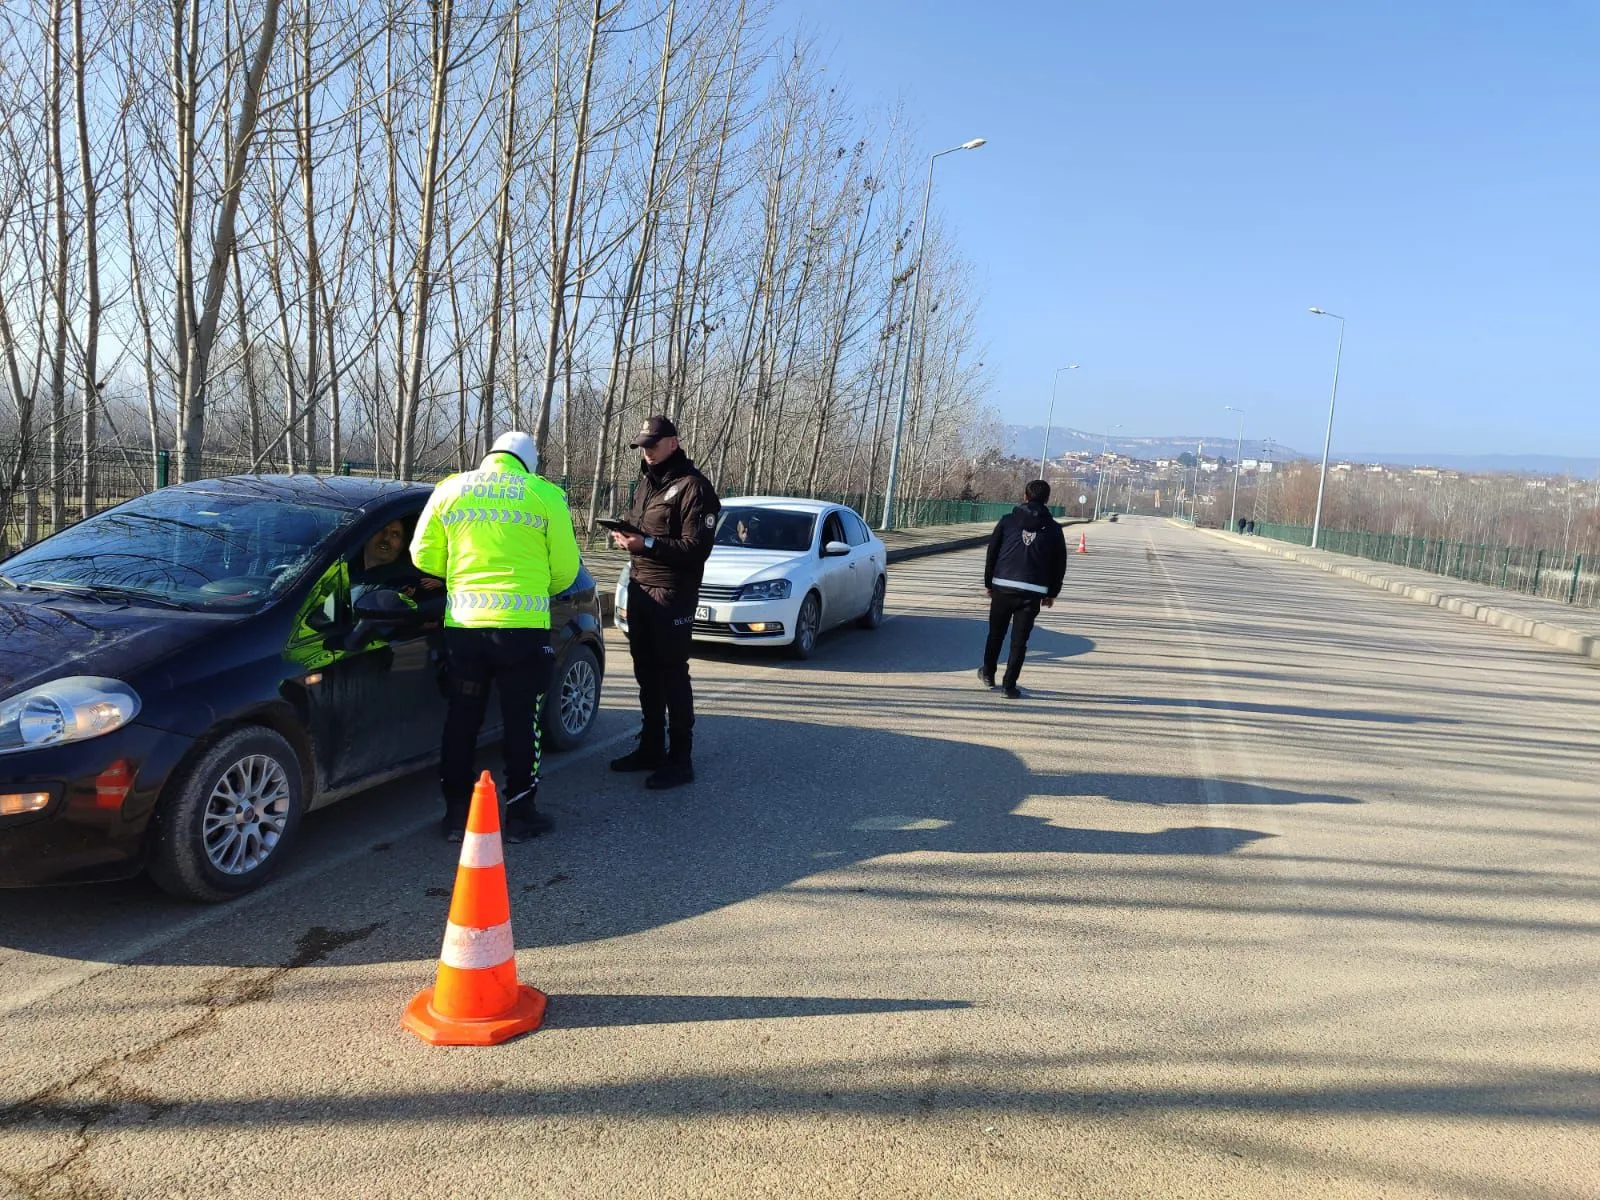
(588,1011)
(776,802)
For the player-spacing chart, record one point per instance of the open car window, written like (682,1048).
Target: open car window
(751,528)
(832,529)
(207,552)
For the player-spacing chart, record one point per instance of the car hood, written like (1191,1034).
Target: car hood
(50,637)
(728,567)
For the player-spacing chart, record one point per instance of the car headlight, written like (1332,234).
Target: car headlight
(771,589)
(66,710)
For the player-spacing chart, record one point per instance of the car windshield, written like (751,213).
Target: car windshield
(765,529)
(181,548)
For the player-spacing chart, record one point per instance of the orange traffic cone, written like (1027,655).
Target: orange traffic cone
(1083,542)
(476,999)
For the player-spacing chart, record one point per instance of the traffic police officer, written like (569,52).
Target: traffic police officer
(675,509)
(501,538)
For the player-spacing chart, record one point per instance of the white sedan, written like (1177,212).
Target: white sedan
(782,571)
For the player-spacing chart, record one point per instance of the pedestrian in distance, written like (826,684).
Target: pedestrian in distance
(669,536)
(1026,564)
(501,538)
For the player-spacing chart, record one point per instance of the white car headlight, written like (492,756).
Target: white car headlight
(66,710)
(771,589)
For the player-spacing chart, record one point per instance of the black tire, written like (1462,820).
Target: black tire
(873,617)
(567,717)
(196,863)
(807,627)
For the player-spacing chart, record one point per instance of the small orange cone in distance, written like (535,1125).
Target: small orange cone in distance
(476,999)
(1083,542)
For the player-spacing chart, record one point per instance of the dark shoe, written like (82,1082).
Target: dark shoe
(674,774)
(454,826)
(1013,692)
(524,823)
(986,677)
(648,755)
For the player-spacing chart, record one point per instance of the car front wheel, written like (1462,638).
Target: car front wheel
(806,626)
(227,820)
(573,700)
(873,617)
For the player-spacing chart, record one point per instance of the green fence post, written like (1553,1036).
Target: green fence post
(1505,566)
(1538,566)
(344,467)
(1572,592)
(163,467)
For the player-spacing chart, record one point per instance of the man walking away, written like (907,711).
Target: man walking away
(1027,562)
(502,540)
(676,508)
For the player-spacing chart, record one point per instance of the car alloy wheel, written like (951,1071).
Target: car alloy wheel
(873,617)
(573,701)
(226,820)
(805,627)
(246,814)
(580,691)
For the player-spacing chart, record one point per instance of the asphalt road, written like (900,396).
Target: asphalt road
(1276,886)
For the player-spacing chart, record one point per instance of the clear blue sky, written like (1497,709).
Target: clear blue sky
(1168,186)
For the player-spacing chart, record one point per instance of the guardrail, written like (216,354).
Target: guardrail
(1530,570)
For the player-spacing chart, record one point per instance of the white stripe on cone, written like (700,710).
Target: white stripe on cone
(481,850)
(469,949)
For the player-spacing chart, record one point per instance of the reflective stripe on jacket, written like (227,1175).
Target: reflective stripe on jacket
(502,541)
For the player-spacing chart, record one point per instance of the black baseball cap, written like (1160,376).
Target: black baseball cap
(653,431)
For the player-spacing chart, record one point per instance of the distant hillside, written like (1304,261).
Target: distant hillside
(1484,464)
(1026,441)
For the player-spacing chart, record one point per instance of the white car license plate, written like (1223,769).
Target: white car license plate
(702,613)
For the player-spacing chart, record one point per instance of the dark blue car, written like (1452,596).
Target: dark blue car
(183,676)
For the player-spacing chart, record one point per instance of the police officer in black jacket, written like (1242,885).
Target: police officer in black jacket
(1027,562)
(675,508)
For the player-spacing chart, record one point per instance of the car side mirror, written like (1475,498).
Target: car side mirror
(385,605)
(835,550)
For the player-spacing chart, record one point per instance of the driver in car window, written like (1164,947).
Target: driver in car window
(383,562)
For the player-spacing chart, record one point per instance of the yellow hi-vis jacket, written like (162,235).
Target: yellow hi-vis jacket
(502,541)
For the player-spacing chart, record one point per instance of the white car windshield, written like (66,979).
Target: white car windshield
(749,528)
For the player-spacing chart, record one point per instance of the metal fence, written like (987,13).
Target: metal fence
(1532,570)
(122,472)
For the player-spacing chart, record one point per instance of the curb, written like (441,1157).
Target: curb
(1560,636)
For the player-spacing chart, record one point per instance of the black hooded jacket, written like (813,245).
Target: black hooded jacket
(1028,552)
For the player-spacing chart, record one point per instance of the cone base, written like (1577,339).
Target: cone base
(524,1017)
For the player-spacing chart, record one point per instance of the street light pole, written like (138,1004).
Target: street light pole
(911,330)
(1105,445)
(1327,440)
(1194,496)
(1044,454)
(1238,454)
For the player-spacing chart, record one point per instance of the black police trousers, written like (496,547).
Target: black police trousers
(1019,610)
(660,634)
(520,664)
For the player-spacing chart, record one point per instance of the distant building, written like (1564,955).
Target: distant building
(1249,464)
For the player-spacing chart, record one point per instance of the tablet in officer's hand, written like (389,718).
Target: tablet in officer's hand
(617,525)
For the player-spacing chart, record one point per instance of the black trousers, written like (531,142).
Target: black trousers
(1019,610)
(520,663)
(660,634)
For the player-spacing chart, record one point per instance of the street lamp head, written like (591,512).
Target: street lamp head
(1318,311)
(973,144)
